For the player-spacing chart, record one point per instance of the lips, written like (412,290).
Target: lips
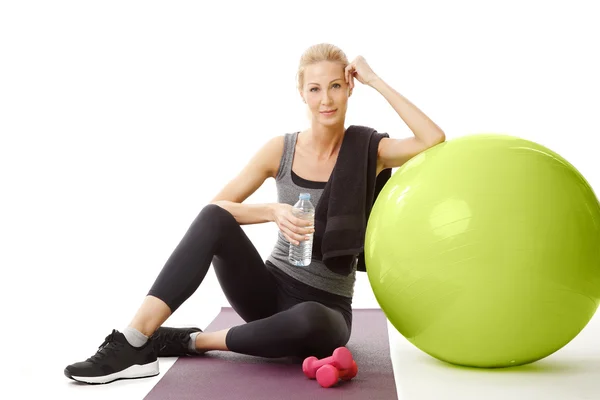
(328,112)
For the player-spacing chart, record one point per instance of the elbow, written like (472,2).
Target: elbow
(438,138)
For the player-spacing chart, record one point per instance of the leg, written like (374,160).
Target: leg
(214,236)
(308,328)
(151,314)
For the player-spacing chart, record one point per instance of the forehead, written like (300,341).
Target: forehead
(323,72)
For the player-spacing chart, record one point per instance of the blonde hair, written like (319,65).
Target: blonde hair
(317,53)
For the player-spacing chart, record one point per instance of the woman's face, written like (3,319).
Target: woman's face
(326,92)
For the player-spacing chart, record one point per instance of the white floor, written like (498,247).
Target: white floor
(572,373)
(34,363)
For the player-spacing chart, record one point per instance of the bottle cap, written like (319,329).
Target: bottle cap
(304,196)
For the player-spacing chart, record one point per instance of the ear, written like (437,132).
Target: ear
(301,95)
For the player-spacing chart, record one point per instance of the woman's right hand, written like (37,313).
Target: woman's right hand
(294,229)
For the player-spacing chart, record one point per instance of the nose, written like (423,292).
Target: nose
(326,99)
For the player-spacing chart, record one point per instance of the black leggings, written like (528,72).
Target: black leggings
(284,317)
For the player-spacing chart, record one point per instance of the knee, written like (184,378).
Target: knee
(212,220)
(214,210)
(314,321)
(214,217)
(319,330)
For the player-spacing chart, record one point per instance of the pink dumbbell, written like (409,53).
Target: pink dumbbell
(328,375)
(340,359)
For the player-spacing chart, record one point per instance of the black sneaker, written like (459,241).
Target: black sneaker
(173,342)
(116,359)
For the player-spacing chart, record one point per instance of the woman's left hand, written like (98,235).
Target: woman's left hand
(360,70)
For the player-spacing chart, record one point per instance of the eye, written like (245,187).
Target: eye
(311,89)
(337,84)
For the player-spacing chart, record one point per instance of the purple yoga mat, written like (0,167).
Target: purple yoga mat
(230,376)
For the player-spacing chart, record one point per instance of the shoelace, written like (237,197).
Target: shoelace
(169,339)
(172,337)
(108,347)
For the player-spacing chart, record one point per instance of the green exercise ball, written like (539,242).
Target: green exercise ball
(484,251)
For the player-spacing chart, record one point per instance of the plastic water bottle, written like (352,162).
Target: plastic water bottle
(301,255)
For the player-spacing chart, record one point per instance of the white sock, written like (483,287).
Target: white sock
(192,342)
(135,337)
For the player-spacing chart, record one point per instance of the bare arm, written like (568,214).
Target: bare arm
(264,164)
(395,152)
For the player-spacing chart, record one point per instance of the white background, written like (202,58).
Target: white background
(120,120)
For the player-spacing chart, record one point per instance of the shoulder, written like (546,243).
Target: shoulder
(274,144)
(270,153)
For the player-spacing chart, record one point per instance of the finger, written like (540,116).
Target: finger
(302,222)
(296,237)
(302,228)
(306,230)
(302,232)
(350,77)
(294,231)
(290,240)
(288,234)
(289,226)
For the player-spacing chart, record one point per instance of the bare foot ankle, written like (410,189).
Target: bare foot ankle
(206,341)
(193,347)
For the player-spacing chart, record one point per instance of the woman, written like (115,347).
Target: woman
(289,311)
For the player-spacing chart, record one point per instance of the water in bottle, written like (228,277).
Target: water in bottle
(301,254)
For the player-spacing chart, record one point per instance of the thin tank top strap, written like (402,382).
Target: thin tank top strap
(287,158)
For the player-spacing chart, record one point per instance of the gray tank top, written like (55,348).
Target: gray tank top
(289,187)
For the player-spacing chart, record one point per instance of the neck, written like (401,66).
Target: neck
(325,140)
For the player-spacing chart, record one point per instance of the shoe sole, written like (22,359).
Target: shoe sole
(133,372)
